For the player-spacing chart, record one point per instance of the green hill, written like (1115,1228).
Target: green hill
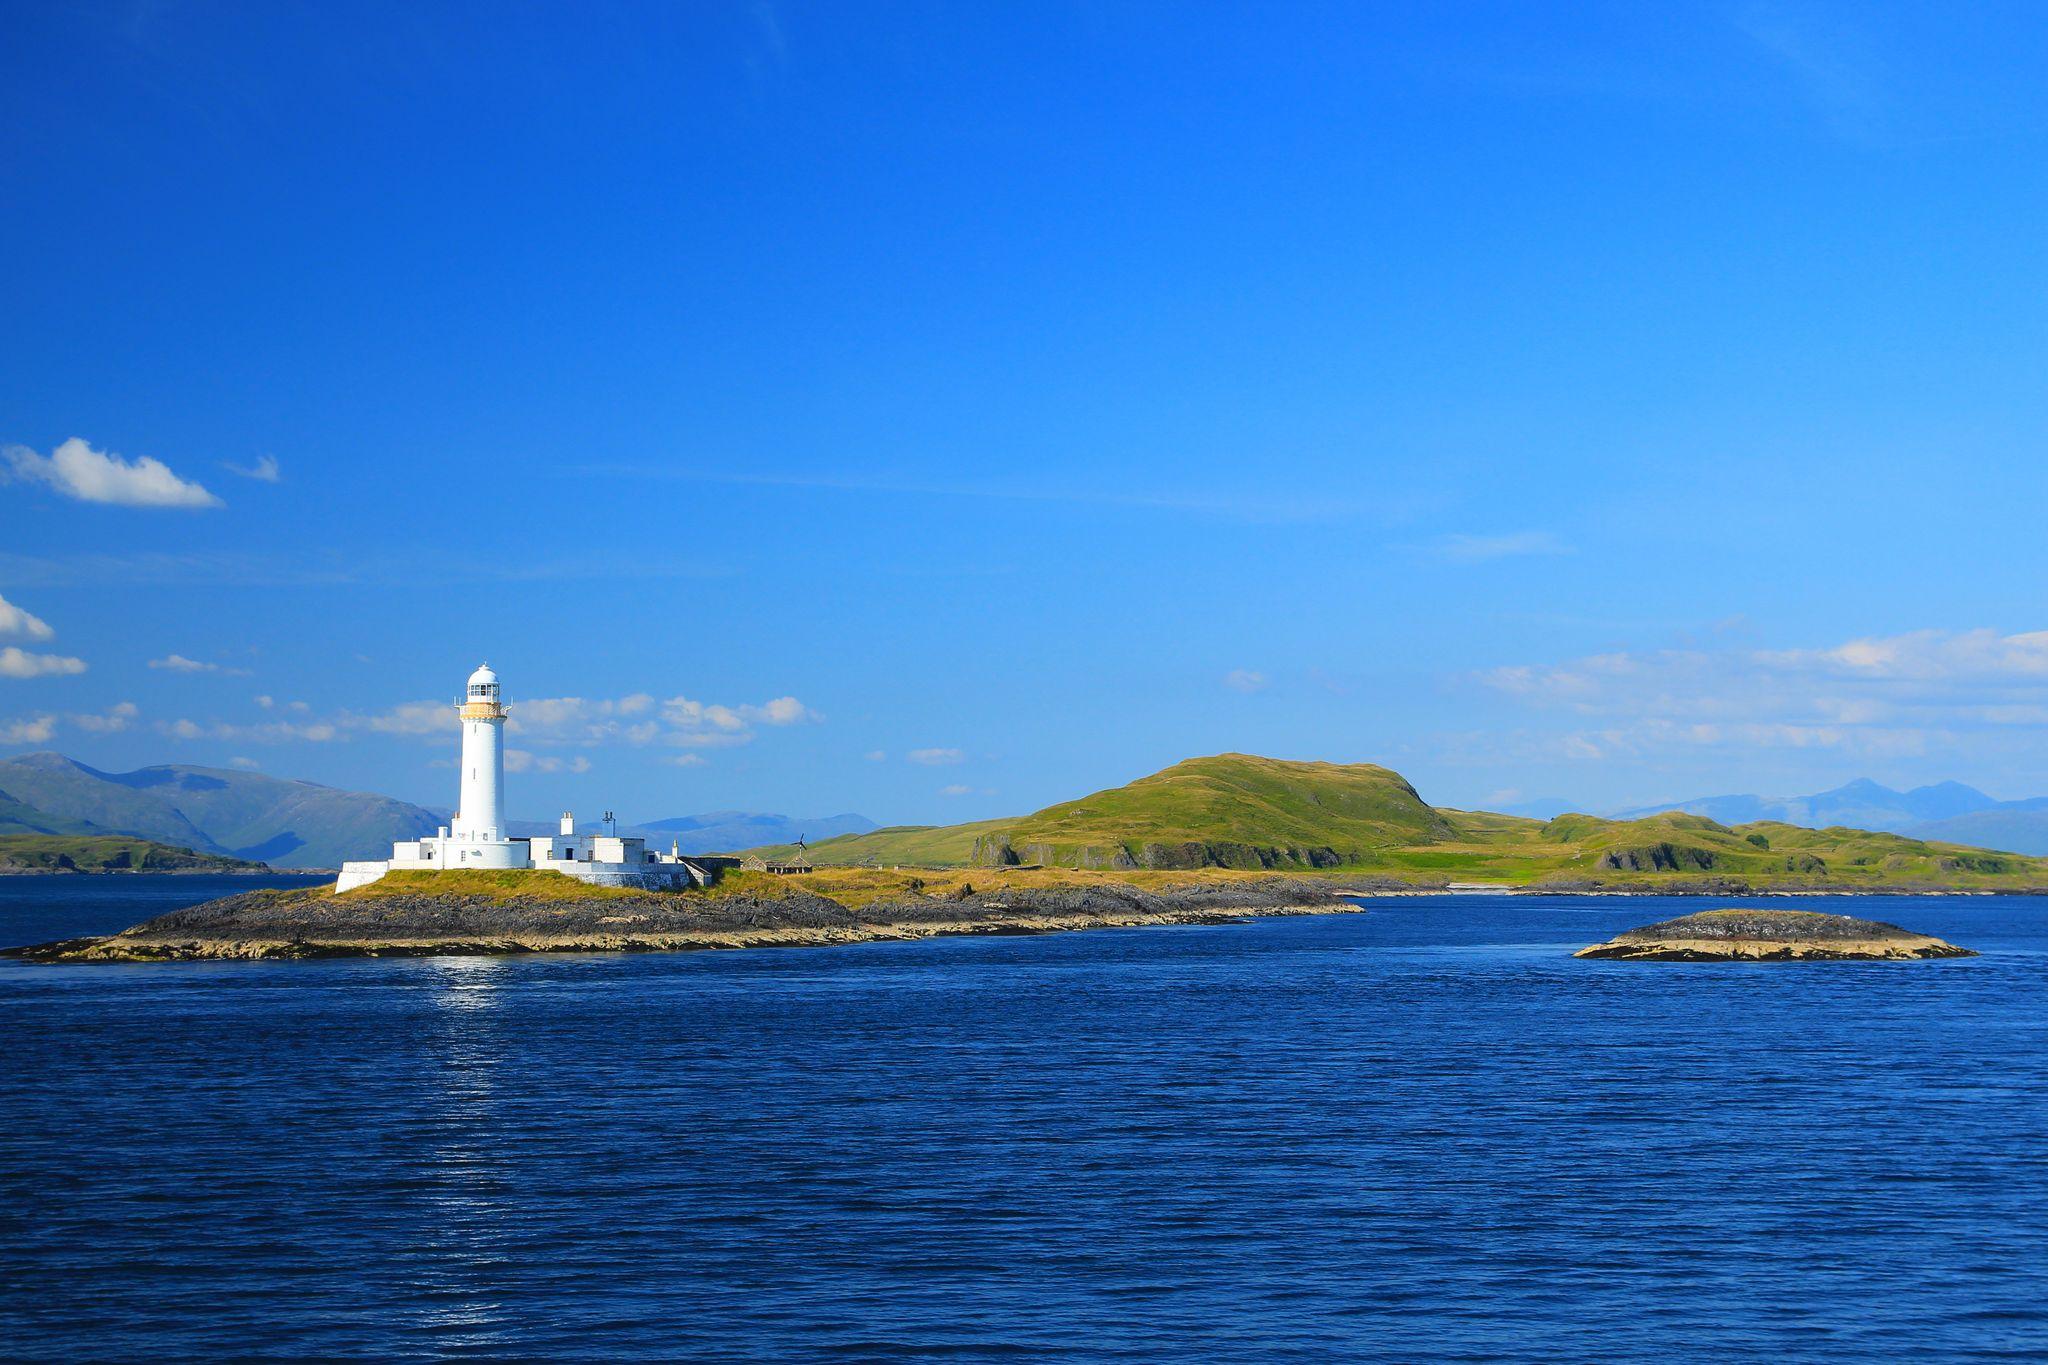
(1237,810)
(1232,810)
(106,853)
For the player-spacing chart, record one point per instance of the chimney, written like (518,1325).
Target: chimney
(568,822)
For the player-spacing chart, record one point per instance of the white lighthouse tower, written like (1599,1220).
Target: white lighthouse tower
(480,815)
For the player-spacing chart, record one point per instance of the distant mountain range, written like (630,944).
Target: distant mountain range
(210,810)
(289,823)
(1948,811)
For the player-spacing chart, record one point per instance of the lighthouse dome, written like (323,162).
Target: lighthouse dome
(482,676)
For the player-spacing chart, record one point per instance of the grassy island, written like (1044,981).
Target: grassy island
(108,853)
(1351,820)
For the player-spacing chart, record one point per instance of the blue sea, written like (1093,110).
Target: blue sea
(1424,1132)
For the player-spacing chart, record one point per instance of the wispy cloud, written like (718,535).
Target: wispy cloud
(78,471)
(1477,549)
(23,624)
(110,721)
(936,758)
(638,719)
(1878,696)
(262,732)
(1830,63)
(16,662)
(1246,680)
(320,566)
(265,469)
(178,663)
(522,760)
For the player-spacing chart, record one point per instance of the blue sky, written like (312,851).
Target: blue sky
(937,411)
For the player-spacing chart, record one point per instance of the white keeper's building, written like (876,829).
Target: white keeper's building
(477,839)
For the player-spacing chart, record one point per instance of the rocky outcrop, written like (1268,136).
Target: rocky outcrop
(997,850)
(1770,936)
(319,923)
(1660,857)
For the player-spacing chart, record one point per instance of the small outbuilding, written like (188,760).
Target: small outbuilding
(796,862)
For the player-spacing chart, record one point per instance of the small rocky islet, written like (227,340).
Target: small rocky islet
(1746,935)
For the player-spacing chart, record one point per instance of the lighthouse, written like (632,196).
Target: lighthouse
(478,841)
(480,814)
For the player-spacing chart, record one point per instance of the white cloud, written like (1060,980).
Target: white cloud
(1246,680)
(263,471)
(78,471)
(178,663)
(577,720)
(962,789)
(406,718)
(19,663)
(28,730)
(876,755)
(1474,549)
(685,760)
(696,715)
(27,625)
(936,758)
(115,718)
(786,711)
(247,764)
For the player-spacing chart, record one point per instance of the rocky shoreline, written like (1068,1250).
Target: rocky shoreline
(315,923)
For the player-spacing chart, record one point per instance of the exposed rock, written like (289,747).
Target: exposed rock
(1661,857)
(993,850)
(1770,936)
